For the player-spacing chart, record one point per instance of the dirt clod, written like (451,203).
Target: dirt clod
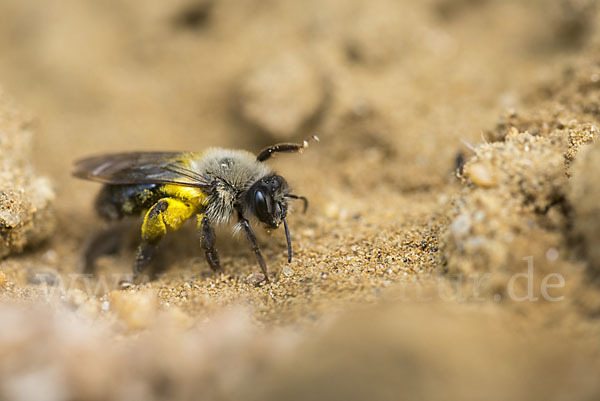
(26,216)
(584,196)
(136,309)
(282,95)
(528,177)
(255,278)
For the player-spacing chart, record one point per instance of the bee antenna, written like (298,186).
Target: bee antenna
(289,241)
(285,147)
(310,138)
(302,198)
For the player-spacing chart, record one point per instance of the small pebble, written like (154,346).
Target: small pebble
(461,225)
(76,297)
(552,254)
(281,95)
(255,278)
(175,316)
(125,284)
(44,275)
(137,310)
(89,308)
(481,175)
(332,210)
(50,257)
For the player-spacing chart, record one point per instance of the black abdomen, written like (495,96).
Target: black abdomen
(115,201)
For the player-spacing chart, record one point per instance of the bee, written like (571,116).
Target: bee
(217,186)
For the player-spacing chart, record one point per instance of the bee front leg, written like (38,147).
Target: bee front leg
(253,244)
(207,237)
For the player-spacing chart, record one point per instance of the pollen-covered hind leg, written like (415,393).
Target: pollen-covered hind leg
(166,214)
(207,237)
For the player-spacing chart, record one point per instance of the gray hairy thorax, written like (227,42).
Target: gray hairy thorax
(232,173)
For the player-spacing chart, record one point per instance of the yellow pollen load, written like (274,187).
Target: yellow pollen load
(169,213)
(192,195)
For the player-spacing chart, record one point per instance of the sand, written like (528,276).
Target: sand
(449,250)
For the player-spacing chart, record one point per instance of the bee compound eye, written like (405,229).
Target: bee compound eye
(261,206)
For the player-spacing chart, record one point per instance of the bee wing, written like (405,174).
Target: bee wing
(141,168)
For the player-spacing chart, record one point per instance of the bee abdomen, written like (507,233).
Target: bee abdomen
(116,201)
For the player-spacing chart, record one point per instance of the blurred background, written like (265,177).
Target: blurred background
(402,94)
(192,74)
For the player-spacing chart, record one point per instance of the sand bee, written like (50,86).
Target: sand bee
(216,186)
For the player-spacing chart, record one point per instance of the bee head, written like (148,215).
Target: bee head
(266,199)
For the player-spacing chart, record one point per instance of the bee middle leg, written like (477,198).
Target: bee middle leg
(207,236)
(166,214)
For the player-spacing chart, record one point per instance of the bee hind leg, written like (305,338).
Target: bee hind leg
(167,213)
(145,254)
(207,236)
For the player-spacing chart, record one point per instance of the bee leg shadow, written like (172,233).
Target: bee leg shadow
(106,242)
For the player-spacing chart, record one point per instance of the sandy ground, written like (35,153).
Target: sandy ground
(450,250)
